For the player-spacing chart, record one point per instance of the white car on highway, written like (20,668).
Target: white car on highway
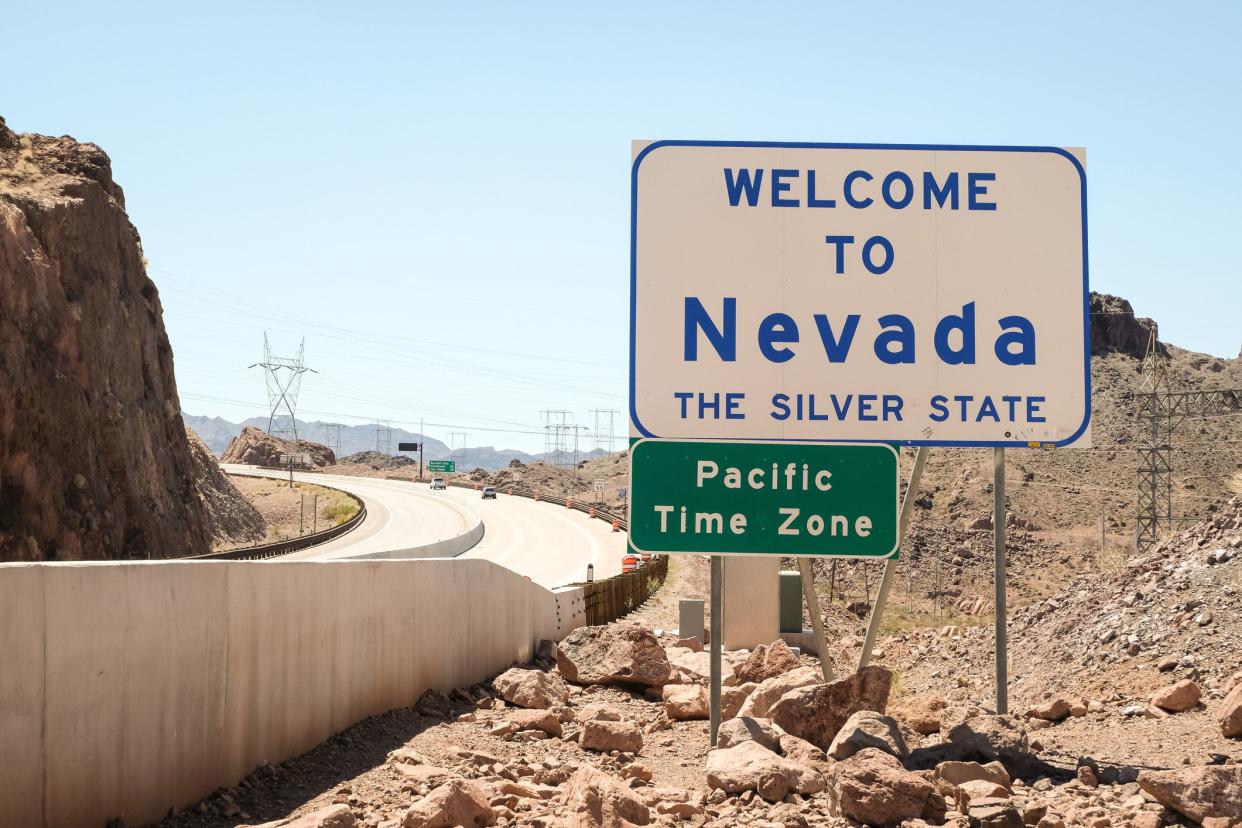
(438,483)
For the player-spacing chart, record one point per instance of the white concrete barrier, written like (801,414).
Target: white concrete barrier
(130,688)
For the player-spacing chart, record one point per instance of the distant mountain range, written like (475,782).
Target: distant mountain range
(216,433)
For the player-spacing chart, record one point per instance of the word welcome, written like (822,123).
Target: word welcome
(897,189)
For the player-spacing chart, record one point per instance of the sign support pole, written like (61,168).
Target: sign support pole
(716,635)
(817,620)
(886,582)
(998,537)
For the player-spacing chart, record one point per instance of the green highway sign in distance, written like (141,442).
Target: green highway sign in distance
(442,465)
(764,498)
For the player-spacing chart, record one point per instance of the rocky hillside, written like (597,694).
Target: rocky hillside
(94,461)
(255,448)
(234,521)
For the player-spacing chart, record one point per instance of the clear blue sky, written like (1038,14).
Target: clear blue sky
(436,195)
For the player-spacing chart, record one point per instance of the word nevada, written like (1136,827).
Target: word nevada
(894,340)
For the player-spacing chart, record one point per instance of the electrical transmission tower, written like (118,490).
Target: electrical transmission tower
(575,430)
(454,438)
(283,376)
(383,436)
(332,437)
(1162,411)
(605,419)
(556,428)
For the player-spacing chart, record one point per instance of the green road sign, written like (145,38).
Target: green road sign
(442,465)
(786,498)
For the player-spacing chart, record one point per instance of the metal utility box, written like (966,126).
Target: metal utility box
(791,602)
(690,619)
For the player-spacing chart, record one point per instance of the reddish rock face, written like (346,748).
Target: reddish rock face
(94,462)
(254,447)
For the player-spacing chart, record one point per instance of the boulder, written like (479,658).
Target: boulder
(1229,714)
(768,661)
(531,688)
(1053,710)
(333,816)
(958,773)
(816,713)
(732,699)
(456,802)
(868,729)
(800,750)
(1210,791)
(686,701)
(747,729)
(922,714)
(749,766)
(977,789)
(993,812)
(602,735)
(599,710)
(691,643)
(1177,697)
(618,653)
(695,668)
(872,787)
(434,703)
(770,690)
(596,799)
(991,737)
(548,721)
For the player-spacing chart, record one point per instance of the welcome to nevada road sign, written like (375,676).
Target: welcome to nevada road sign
(925,294)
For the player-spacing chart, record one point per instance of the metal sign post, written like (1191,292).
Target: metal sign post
(716,635)
(998,537)
(907,506)
(809,595)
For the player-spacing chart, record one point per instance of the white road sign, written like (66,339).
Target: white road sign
(931,295)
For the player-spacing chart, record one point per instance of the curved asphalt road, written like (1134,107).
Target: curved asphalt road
(549,544)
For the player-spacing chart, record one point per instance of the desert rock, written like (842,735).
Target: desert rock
(603,735)
(597,799)
(1177,697)
(868,729)
(873,788)
(816,713)
(620,653)
(456,802)
(769,691)
(1199,793)
(531,688)
(750,766)
(768,661)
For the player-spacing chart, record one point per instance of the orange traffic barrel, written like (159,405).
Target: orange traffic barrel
(629,563)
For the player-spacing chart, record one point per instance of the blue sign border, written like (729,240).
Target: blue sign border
(1086,291)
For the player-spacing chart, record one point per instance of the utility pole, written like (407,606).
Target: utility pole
(283,377)
(555,424)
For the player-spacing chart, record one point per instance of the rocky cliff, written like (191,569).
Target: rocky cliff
(234,520)
(1115,328)
(254,447)
(94,461)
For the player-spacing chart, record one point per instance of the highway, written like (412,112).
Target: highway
(549,544)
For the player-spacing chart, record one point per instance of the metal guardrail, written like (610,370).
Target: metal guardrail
(610,598)
(284,547)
